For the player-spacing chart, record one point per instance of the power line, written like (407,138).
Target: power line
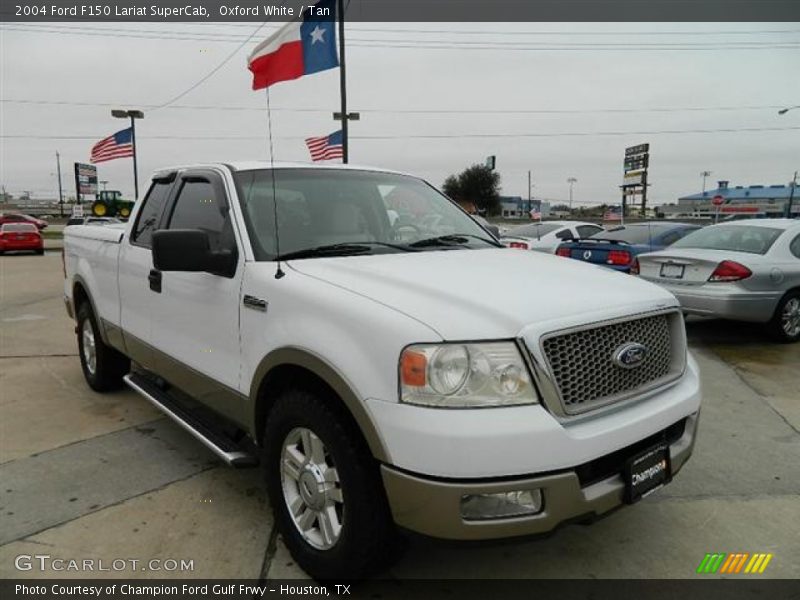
(210,73)
(499,111)
(218,34)
(427,136)
(453,44)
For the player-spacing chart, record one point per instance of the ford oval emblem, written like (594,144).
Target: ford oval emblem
(629,356)
(587,255)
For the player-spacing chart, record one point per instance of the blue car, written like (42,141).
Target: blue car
(617,248)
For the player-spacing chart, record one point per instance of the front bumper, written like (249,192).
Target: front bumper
(433,506)
(726,301)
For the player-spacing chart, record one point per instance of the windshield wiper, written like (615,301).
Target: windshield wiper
(453,239)
(341,249)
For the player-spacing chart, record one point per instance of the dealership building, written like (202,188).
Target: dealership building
(757,200)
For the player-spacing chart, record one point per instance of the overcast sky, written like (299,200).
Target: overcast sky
(587,71)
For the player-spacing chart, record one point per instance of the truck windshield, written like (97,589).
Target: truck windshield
(335,212)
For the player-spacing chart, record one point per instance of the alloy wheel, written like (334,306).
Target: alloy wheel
(89,347)
(790,319)
(311,488)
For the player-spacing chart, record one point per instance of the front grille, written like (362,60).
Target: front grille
(583,368)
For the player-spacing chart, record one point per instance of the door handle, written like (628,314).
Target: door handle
(154,278)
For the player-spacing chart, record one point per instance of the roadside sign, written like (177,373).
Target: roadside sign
(77,210)
(718,200)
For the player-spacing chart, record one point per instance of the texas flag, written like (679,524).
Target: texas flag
(298,48)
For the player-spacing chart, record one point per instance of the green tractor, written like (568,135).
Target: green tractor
(109,203)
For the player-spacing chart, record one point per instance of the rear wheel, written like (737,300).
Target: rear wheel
(325,489)
(103,367)
(785,323)
(100,209)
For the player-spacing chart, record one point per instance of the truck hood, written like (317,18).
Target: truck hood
(489,294)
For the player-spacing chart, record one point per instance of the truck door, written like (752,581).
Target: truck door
(135,265)
(196,315)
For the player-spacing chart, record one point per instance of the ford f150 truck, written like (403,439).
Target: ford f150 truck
(386,359)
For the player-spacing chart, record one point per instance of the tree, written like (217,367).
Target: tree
(478,185)
(560,208)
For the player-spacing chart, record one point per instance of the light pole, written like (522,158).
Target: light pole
(791,197)
(705,174)
(783,111)
(571,181)
(132,115)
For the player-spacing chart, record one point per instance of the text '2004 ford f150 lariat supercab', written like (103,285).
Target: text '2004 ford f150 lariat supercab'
(397,367)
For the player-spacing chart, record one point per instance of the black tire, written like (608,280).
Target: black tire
(776,324)
(40,252)
(367,540)
(109,365)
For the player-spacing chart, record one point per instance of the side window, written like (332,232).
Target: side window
(199,207)
(795,246)
(564,234)
(585,231)
(147,220)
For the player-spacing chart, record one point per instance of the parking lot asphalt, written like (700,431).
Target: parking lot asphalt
(105,476)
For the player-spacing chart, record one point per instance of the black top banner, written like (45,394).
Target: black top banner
(407,10)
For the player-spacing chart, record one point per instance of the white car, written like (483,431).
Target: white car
(417,381)
(545,236)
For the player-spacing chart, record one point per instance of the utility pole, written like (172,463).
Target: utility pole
(529,191)
(791,197)
(571,181)
(60,189)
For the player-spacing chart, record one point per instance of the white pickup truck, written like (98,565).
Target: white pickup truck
(388,360)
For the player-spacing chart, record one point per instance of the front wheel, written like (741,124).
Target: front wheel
(785,323)
(325,489)
(103,366)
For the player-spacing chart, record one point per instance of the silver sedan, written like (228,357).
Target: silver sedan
(744,270)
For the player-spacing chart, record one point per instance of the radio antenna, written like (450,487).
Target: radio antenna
(278,272)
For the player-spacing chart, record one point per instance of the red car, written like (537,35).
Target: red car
(20,236)
(20,218)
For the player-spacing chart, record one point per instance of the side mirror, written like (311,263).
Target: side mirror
(189,250)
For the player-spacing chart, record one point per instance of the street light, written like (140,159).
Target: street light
(705,174)
(571,181)
(132,115)
(783,111)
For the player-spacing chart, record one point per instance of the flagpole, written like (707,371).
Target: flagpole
(135,168)
(343,85)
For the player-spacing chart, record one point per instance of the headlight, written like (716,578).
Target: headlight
(465,375)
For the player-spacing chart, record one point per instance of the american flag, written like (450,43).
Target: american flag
(114,146)
(613,213)
(325,147)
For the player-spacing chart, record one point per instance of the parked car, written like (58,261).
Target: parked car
(380,389)
(20,218)
(744,271)
(617,248)
(16,237)
(89,220)
(547,235)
